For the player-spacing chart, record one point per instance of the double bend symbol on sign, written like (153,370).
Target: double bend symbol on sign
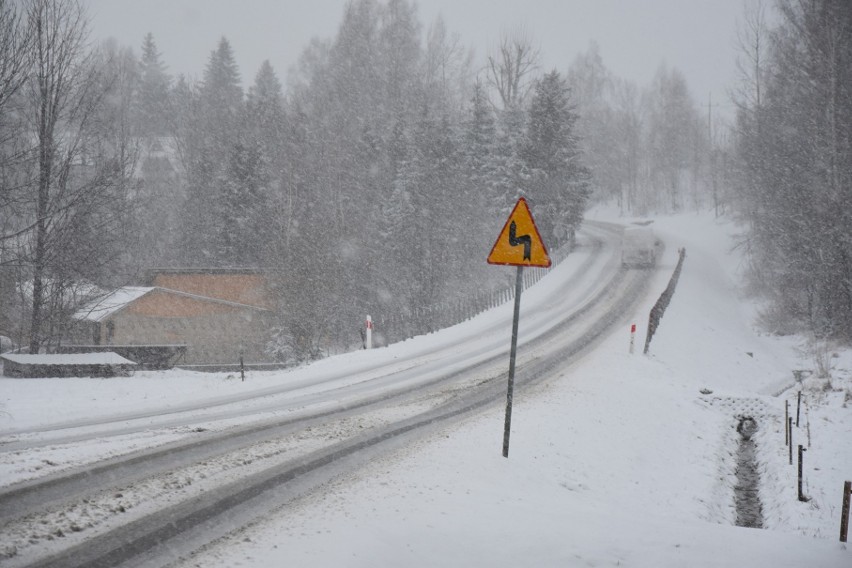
(525,240)
(519,243)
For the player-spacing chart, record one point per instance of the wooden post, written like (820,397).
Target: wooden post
(790,430)
(844,514)
(786,429)
(801,451)
(798,407)
(242,368)
(519,282)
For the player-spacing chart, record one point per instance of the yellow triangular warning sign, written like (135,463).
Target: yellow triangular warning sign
(519,243)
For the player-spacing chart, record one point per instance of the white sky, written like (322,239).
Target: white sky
(635,36)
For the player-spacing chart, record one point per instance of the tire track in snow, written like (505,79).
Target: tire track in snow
(621,292)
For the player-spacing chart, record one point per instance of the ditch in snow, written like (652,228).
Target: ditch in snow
(749,511)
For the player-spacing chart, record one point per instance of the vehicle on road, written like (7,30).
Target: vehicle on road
(639,247)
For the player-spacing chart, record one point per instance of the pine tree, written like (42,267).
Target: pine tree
(265,104)
(399,49)
(154,113)
(218,155)
(560,182)
(266,126)
(510,175)
(478,148)
(221,93)
(480,135)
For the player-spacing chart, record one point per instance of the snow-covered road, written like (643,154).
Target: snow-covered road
(133,465)
(617,460)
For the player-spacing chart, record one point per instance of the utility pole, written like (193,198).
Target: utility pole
(712,153)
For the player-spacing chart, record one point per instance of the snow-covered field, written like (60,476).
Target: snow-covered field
(621,460)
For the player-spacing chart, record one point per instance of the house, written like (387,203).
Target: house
(218,314)
(241,285)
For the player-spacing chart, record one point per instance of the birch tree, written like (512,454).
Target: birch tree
(79,179)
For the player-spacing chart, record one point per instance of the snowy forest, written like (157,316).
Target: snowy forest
(794,149)
(376,179)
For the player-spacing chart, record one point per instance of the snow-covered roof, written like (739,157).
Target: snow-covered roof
(101,358)
(102,308)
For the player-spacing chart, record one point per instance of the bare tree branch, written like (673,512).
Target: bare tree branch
(510,68)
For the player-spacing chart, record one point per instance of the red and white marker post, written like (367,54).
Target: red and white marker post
(632,336)
(368,342)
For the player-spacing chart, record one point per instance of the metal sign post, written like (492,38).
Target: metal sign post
(519,244)
(519,286)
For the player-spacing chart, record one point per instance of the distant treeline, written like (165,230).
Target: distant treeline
(375,182)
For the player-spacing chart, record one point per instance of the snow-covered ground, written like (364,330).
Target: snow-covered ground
(621,460)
